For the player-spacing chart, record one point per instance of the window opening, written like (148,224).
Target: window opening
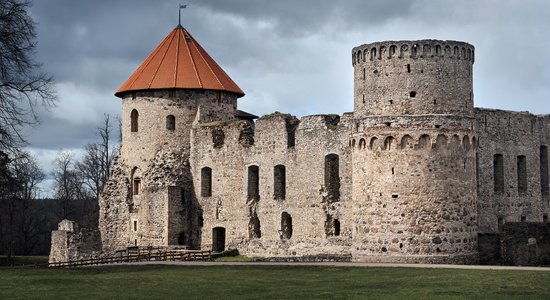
(522,174)
(279,182)
(498,173)
(170,122)
(253,183)
(206,182)
(134,116)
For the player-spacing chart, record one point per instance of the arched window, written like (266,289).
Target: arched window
(170,122)
(286,226)
(135,181)
(388,143)
(393,49)
(414,49)
(407,142)
(466,143)
(424,142)
(279,182)
(441,141)
(206,182)
(253,183)
(134,116)
(332,177)
(373,145)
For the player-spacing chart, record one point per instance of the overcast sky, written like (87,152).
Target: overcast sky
(289,56)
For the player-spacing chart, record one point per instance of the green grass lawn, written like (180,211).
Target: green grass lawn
(269,282)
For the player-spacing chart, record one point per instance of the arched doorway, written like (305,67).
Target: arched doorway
(218,239)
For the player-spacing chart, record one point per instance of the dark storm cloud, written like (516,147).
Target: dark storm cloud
(292,56)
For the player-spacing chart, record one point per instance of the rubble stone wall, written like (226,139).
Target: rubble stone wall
(72,243)
(414,190)
(511,134)
(254,224)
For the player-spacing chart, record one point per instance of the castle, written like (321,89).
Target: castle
(414,174)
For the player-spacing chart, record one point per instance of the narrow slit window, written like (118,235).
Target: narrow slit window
(134,116)
(332,177)
(522,174)
(498,173)
(408,68)
(286,226)
(206,182)
(137,186)
(253,183)
(544,188)
(279,182)
(170,123)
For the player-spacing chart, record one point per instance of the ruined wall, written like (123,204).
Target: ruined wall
(526,243)
(71,243)
(257,220)
(511,192)
(150,199)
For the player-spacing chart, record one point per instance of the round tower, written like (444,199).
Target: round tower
(178,84)
(151,198)
(413,78)
(414,145)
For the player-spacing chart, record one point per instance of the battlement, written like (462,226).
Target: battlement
(413,50)
(413,78)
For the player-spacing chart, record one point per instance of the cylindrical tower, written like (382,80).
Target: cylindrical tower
(413,78)
(414,143)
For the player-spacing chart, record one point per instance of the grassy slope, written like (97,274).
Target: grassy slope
(252,282)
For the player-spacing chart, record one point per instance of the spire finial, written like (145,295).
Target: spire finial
(182,6)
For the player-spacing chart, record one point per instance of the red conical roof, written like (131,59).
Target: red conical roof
(179,62)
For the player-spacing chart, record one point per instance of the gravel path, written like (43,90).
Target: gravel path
(340,264)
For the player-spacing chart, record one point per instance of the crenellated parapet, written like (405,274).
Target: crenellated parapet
(420,49)
(423,77)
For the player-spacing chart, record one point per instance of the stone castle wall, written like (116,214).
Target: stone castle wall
(150,198)
(414,190)
(254,223)
(408,177)
(511,135)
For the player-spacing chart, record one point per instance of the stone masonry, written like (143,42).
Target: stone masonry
(414,174)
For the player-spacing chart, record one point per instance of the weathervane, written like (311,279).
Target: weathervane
(182,6)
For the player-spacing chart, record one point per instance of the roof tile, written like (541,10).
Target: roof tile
(179,62)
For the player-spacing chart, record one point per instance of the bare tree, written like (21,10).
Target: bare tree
(20,217)
(22,84)
(30,216)
(95,167)
(69,189)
